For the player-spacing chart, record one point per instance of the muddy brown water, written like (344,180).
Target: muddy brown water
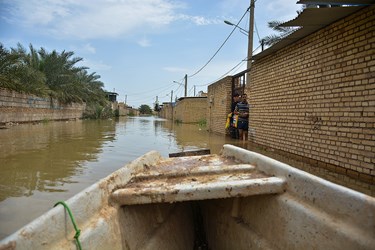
(44,163)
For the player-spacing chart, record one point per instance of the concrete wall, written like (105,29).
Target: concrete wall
(18,107)
(316,98)
(125,109)
(191,109)
(167,111)
(219,102)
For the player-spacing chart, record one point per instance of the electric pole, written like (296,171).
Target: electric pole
(171,95)
(250,39)
(185,85)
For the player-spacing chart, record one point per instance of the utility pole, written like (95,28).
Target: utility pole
(171,95)
(126,97)
(250,39)
(194,90)
(185,85)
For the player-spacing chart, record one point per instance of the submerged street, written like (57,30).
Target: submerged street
(48,162)
(44,163)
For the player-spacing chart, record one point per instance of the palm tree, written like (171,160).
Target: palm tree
(283,32)
(91,88)
(61,74)
(9,69)
(286,31)
(32,80)
(50,74)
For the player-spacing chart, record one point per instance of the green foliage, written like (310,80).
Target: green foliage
(51,74)
(97,111)
(46,120)
(145,109)
(282,31)
(202,122)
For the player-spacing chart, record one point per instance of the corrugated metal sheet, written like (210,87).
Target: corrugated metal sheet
(321,16)
(340,2)
(310,21)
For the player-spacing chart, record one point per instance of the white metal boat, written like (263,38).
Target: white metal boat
(236,200)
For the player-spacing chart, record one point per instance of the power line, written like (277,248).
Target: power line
(163,87)
(230,34)
(238,65)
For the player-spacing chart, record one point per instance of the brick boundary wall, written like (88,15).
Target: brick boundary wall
(18,108)
(219,102)
(167,111)
(315,99)
(190,109)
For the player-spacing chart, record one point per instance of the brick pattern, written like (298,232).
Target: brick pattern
(124,109)
(316,98)
(218,104)
(190,109)
(167,111)
(18,107)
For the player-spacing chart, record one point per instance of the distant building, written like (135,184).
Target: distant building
(112,96)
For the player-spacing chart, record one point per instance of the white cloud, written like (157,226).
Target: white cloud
(89,48)
(282,8)
(144,42)
(95,66)
(95,19)
(198,20)
(175,69)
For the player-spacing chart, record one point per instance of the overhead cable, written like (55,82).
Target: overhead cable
(230,34)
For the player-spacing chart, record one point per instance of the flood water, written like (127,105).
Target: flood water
(44,163)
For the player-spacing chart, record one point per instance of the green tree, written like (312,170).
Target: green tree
(145,109)
(15,73)
(61,75)
(283,32)
(52,74)
(31,79)
(92,87)
(9,69)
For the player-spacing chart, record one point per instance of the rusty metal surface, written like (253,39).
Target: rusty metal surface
(191,153)
(195,178)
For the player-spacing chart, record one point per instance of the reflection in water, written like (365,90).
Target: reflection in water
(44,163)
(43,157)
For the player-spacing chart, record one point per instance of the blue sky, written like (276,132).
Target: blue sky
(140,48)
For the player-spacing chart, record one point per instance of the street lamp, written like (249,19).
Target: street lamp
(241,29)
(185,77)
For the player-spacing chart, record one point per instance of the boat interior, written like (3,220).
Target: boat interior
(236,200)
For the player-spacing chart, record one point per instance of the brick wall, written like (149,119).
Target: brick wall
(124,109)
(191,109)
(219,102)
(316,98)
(167,111)
(18,107)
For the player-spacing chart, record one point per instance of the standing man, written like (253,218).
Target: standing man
(233,129)
(242,110)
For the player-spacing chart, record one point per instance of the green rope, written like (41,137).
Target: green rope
(78,231)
